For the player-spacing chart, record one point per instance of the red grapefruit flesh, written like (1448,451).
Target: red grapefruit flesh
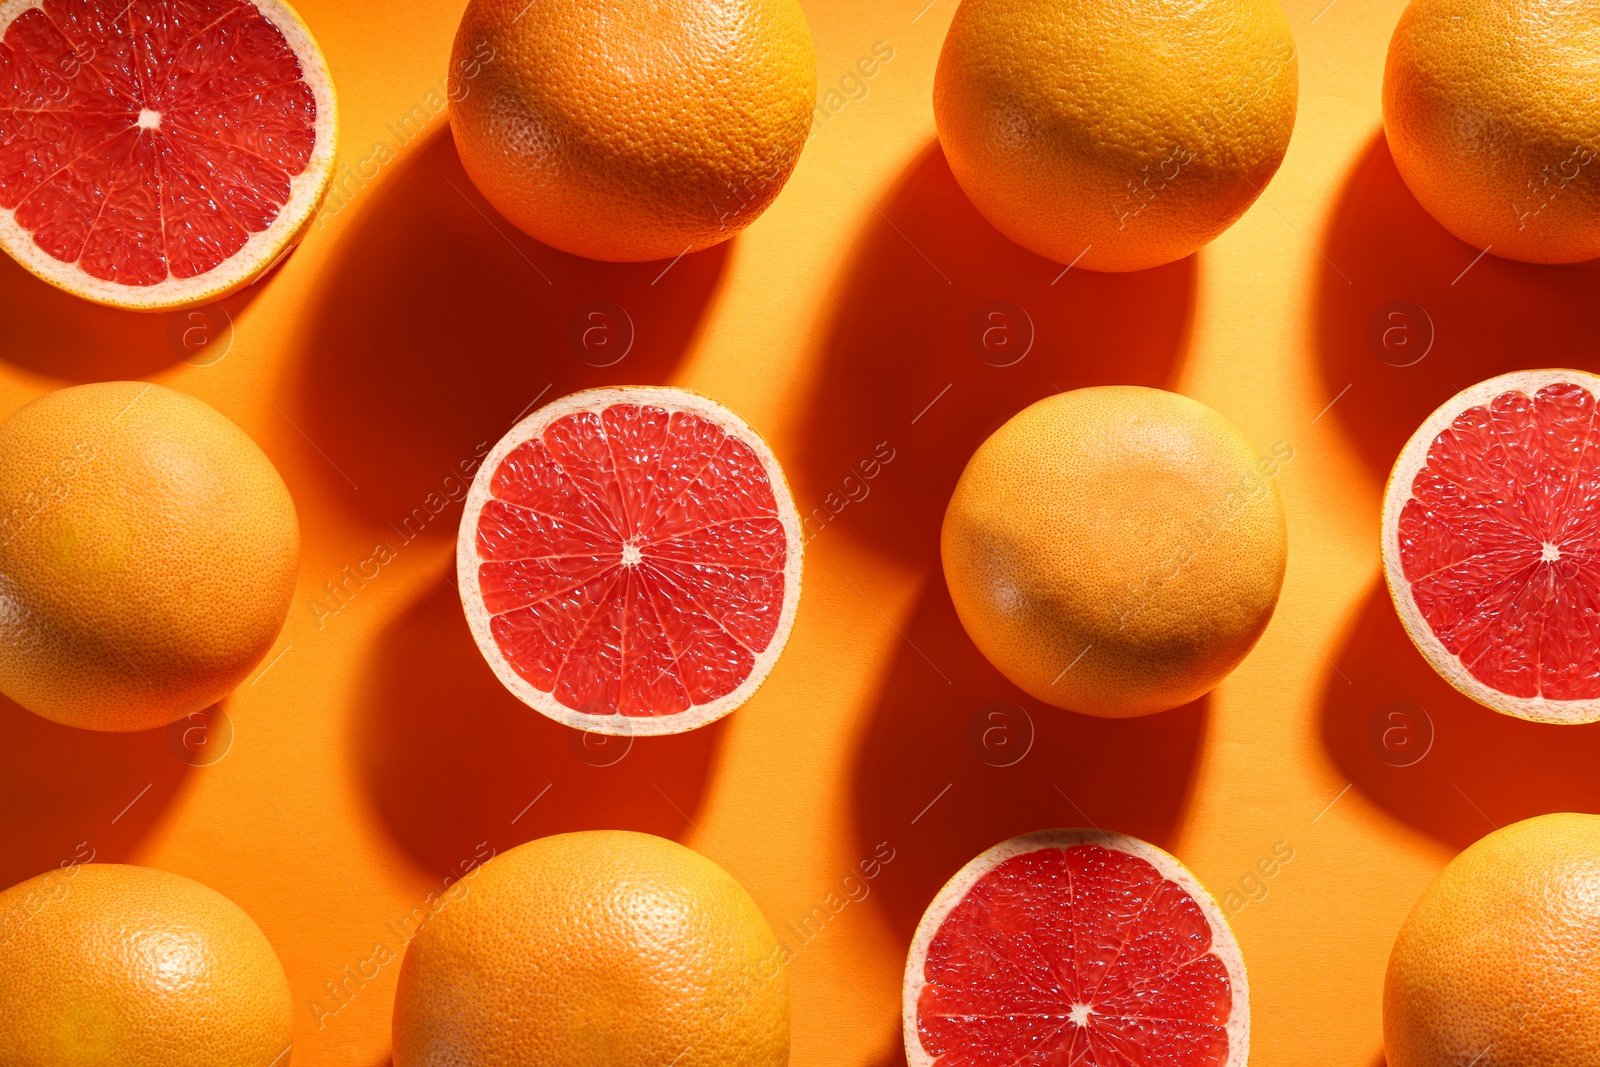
(629,560)
(159,153)
(1491,543)
(1075,948)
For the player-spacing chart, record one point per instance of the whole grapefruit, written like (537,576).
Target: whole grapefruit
(1115,134)
(105,965)
(148,551)
(1499,962)
(592,949)
(626,131)
(1116,550)
(1492,111)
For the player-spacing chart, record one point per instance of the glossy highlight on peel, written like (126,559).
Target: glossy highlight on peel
(104,963)
(593,949)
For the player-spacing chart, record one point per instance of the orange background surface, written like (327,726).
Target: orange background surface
(375,753)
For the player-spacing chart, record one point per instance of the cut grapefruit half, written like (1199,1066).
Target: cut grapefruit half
(629,560)
(1491,543)
(1075,948)
(157,154)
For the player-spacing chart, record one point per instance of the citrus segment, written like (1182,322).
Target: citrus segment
(1075,947)
(1492,529)
(631,554)
(156,153)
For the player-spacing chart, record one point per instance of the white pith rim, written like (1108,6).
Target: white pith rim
(260,251)
(1223,944)
(478,616)
(1413,457)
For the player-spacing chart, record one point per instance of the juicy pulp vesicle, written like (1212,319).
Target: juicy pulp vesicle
(1084,956)
(632,560)
(1498,542)
(149,139)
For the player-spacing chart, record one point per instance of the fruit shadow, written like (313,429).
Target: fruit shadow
(51,332)
(441,323)
(933,301)
(76,796)
(956,759)
(1480,770)
(451,759)
(896,1056)
(1408,315)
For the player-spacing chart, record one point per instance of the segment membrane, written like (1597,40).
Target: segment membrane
(1084,956)
(632,560)
(150,139)
(1499,543)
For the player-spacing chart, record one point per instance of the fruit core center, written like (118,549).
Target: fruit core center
(1550,553)
(149,120)
(1080,1015)
(631,556)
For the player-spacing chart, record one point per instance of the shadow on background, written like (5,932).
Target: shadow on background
(896,1056)
(929,275)
(65,794)
(933,728)
(1486,318)
(453,759)
(1483,770)
(50,332)
(442,323)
